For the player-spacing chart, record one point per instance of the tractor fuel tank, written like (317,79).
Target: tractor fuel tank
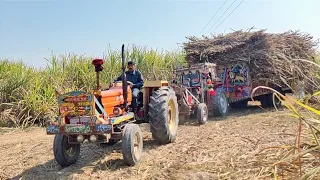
(114,97)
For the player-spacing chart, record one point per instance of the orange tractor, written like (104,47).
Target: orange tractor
(104,116)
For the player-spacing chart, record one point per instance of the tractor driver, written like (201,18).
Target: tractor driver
(136,78)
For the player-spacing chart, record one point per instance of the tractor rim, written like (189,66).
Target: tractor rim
(70,150)
(136,145)
(171,116)
(204,110)
(223,104)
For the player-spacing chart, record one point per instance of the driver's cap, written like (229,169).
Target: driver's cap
(131,62)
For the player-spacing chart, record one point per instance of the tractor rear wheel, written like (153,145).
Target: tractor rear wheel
(64,153)
(132,144)
(219,104)
(202,113)
(163,115)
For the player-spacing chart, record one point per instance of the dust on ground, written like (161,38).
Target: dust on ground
(221,149)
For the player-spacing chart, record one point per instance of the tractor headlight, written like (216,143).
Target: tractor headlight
(80,138)
(93,138)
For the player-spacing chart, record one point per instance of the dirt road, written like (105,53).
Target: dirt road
(221,149)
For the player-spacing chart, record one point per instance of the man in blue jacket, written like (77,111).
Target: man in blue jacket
(136,78)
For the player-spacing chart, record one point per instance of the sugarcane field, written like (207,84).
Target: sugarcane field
(113,100)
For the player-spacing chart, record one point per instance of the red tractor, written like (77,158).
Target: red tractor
(196,92)
(212,86)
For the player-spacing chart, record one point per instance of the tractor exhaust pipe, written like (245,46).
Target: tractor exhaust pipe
(124,80)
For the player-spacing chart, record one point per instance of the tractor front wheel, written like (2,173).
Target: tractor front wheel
(132,144)
(64,153)
(202,113)
(163,115)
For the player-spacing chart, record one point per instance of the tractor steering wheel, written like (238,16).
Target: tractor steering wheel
(129,82)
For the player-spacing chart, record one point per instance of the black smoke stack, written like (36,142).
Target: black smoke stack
(124,80)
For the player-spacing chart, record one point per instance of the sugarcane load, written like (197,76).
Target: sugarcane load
(271,58)
(240,61)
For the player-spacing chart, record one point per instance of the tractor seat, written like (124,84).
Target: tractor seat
(113,91)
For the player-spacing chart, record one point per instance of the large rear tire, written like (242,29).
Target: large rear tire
(64,153)
(163,115)
(132,144)
(219,104)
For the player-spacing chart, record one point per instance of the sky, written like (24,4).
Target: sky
(31,30)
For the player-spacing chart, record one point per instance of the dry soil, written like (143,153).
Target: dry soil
(226,148)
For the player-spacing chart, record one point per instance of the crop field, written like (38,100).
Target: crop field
(252,143)
(28,94)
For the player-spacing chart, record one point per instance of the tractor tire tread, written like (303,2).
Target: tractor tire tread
(158,109)
(59,143)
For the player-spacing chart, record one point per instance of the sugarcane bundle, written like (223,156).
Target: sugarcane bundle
(271,57)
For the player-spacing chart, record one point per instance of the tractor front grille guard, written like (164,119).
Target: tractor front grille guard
(187,93)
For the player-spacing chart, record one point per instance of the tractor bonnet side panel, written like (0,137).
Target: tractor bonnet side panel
(114,97)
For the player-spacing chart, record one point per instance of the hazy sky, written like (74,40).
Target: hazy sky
(32,29)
